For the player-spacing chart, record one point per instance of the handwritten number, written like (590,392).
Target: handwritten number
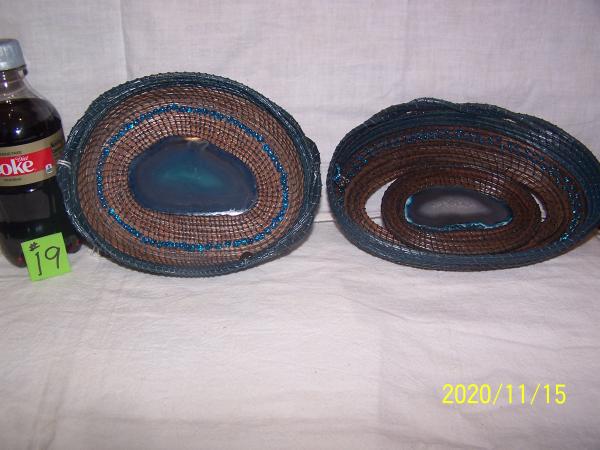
(51,253)
(39,263)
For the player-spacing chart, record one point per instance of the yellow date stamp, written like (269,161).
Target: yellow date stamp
(517,394)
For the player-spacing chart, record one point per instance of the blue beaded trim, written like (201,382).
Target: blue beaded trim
(565,183)
(192,247)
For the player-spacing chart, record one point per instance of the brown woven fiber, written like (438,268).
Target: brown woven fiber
(549,182)
(126,121)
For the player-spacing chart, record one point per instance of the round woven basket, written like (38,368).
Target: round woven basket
(125,122)
(548,181)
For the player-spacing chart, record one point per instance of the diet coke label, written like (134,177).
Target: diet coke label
(30,163)
(20,165)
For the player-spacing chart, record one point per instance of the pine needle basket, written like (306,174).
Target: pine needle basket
(548,180)
(124,122)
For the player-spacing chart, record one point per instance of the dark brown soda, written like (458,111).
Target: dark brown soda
(37,209)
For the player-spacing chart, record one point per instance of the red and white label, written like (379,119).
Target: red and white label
(17,166)
(30,163)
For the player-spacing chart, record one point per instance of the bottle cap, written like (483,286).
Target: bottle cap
(11,55)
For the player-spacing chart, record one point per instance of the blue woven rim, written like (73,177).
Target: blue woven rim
(307,152)
(564,150)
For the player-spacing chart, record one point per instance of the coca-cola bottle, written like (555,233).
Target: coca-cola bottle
(31,141)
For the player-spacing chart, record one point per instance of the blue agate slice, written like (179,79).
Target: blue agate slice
(189,176)
(450,208)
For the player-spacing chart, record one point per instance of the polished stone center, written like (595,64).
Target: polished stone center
(454,208)
(189,176)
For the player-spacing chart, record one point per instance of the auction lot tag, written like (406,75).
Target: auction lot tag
(46,257)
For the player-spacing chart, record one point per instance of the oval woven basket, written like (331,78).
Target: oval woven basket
(256,134)
(548,180)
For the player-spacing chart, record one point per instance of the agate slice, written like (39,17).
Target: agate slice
(454,208)
(189,176)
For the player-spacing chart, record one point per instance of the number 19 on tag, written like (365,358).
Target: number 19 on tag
(46,257)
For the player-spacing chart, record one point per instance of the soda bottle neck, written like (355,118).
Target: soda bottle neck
(13,84)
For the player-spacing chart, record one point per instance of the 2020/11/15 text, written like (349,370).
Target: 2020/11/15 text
(484,394)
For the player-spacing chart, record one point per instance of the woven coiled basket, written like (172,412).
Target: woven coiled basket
(548,181)
(239,125)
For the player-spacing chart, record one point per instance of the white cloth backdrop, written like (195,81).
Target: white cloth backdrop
(327,347)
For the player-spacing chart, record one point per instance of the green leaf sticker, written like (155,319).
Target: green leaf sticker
(46,257)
